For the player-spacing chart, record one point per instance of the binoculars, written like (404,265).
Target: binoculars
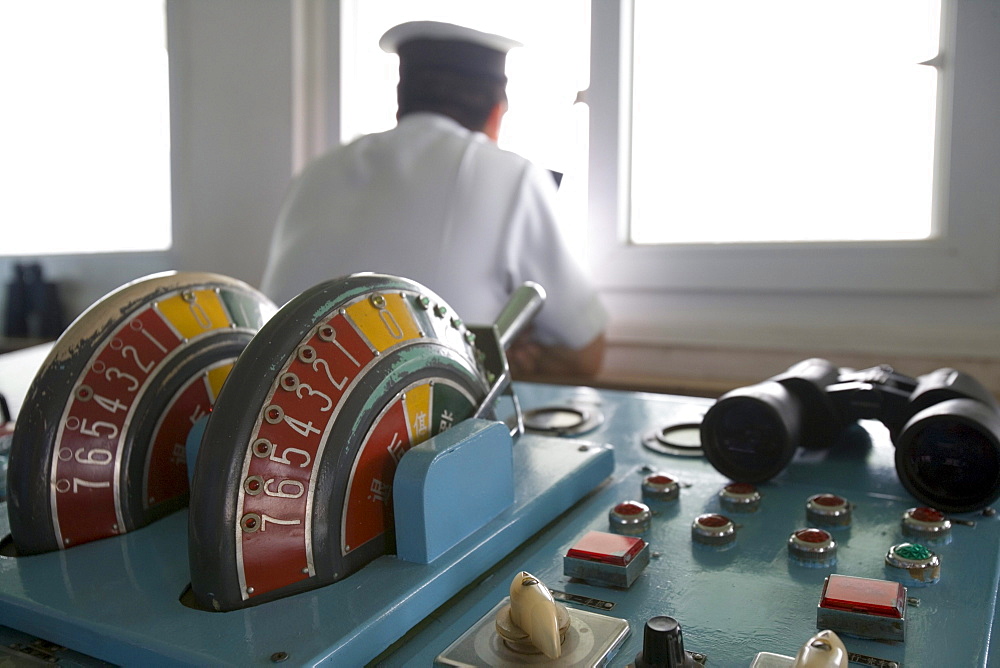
(945,427)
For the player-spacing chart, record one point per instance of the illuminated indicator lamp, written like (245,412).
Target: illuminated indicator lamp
(913,565)
(927,525)
(714,530)
(828,510)
(813,548)
(740,497)
(863,608)
(660,487)
(630,518)
(607,559)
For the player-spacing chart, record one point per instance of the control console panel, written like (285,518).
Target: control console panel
(833,542)
(195,479)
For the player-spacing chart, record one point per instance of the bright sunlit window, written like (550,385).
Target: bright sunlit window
(84,127)
(782,120)
(545,75)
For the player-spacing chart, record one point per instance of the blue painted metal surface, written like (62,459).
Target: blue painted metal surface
(732,603)
(451,485)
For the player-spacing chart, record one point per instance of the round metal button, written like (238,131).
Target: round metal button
(812,547)
(913,565)
(630,518)
(713,529)
(740,497)
(927,525)
(828,510)
(660,487)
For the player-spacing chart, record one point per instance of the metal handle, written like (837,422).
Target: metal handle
(522,306)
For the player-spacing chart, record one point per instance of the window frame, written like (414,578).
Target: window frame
(960,257)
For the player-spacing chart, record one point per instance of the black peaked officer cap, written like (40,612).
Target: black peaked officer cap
(431,45)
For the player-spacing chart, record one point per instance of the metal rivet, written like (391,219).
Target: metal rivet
(278,657)
(250,522)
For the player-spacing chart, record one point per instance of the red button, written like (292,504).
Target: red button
(740,488)
(713,520)
(812,536)
(925,514)
(829,500)
(659,479)
(607,548)
(871,597)
(629,508)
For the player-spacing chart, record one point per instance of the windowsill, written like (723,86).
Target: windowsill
(9,344)
(708,371)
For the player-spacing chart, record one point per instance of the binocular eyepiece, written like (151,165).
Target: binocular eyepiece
(945,427)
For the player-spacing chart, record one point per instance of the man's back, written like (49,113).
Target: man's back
(434,202)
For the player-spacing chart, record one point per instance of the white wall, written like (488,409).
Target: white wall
(231,109)
(230,80)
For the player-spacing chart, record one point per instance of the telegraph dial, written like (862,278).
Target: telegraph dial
(292,488)
(98,448)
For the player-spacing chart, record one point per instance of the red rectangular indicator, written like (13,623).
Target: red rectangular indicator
(607,548)
(871,597)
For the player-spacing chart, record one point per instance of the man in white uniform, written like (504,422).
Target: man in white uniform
(435,200)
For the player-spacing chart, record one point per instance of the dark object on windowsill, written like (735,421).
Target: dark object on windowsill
(33,308)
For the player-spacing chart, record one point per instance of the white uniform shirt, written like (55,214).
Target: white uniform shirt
(438,204)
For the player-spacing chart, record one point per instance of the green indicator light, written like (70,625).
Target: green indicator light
(913,551)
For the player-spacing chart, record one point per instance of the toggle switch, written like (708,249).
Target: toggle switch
(530,627)
(823,650)
(663,646)
(533,623)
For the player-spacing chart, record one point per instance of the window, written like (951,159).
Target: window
(778,120)
(959,257)
(84,127)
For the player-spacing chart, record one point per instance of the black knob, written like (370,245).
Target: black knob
(662,645)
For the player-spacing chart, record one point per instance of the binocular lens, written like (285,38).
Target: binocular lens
(750,436)
(948,456)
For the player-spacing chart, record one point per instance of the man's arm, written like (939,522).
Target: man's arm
(531,360)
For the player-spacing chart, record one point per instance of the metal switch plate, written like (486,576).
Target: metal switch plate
(591,641)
